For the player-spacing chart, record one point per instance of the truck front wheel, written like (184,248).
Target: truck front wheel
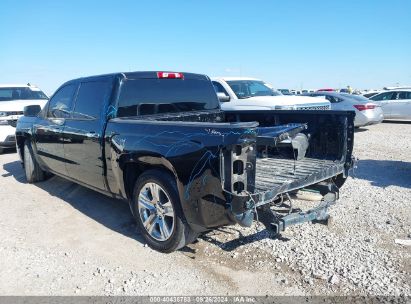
(31,167)
(157,210)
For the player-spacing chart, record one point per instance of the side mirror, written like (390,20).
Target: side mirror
(31,111)
(223,97)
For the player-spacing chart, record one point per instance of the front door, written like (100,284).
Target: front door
(48,131)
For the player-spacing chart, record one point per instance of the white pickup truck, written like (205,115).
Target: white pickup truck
(13,99)
(243,93)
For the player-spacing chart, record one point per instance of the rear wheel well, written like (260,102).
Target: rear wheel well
(132,171)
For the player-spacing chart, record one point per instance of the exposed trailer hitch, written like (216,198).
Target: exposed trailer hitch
(276,222)
(316,214)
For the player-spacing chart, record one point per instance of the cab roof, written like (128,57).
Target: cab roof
(142,75)
(232,78)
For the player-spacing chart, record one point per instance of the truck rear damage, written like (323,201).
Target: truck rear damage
(292,152)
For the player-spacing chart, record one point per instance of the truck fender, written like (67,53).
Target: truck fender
(133,166)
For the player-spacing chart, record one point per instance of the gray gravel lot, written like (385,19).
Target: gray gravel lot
(58,238)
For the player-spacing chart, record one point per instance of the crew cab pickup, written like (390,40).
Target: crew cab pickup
(160,141)
(244,93)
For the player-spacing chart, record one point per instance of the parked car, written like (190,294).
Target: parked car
(160,141)
(284,91)
(326,90)
(366,111)
(13,99)
(241,93)
(396,104)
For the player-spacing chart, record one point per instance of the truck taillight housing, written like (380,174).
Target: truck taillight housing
(362,107)
(170,75)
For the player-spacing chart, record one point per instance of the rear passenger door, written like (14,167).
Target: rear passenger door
(83,133)
(401,105)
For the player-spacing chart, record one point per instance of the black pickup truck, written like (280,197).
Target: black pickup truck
(160,141)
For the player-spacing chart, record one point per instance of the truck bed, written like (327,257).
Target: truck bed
(275,174)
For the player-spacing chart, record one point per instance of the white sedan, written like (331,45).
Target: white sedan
(396,104)
(366,112)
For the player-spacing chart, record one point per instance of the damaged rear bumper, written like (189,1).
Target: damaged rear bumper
(319,213)
(277,216)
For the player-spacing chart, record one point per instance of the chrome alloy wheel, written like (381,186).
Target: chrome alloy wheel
(156,211)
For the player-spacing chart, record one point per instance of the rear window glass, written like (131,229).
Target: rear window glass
(358,97)
(155,96)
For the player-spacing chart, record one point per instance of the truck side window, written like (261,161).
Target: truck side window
(219,88)
(90,99)
(60,104)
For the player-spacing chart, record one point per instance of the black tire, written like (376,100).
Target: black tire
(31,167)
(181,233)
(1,150)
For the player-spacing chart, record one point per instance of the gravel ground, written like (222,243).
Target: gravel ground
(58,238)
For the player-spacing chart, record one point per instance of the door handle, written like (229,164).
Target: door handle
(58,121)
(92,134)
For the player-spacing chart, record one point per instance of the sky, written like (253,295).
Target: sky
(290,44)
